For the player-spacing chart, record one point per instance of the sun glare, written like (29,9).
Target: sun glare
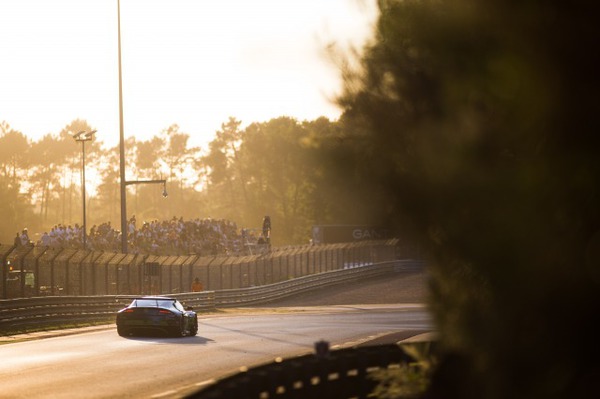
(193,63)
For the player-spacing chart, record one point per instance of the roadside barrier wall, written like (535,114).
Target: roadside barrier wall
(20,314)
(34,271)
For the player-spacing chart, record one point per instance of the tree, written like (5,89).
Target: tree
(45,175)
(146,164)
(147,156)
(13,153)
(179,161)
(278,174)
(15,208)
(225,173)
(337,200)
(267,168)
(108,193)
(479,125)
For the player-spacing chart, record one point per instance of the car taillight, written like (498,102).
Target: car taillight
(128,311)
(164,311)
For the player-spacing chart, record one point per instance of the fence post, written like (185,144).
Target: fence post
(67,264)
(191,273)
(181,289)
(52,271)
(81,272)
(5,273)
(141,273)
(22,271)
(36,271)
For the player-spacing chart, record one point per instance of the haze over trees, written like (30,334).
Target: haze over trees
(269,168)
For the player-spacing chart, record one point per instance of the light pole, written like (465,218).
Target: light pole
(121,143)
(124,182)
(82,137)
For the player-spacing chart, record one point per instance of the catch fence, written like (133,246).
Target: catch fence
(20,314)
(33,271)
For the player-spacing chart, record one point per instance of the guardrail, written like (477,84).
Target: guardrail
(337,374)
(17,314)
(272,292)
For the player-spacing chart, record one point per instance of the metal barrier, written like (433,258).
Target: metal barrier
(16,314)
(338,374)
(29,271)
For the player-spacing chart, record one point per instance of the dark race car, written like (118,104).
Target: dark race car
(157,313)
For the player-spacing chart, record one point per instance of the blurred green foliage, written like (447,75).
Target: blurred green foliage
(408,380)
(479,123)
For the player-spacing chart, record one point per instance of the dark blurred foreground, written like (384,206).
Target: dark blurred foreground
(344,373)
(480,125)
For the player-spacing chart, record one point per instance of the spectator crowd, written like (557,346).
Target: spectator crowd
(169,237)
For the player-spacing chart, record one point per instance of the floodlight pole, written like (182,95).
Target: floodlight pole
(83,192)
(122,143)
(123,182)
(82,137)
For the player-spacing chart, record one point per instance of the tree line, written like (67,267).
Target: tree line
(283,168)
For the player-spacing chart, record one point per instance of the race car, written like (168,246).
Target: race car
(157,313)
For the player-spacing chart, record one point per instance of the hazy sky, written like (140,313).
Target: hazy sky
(190,62)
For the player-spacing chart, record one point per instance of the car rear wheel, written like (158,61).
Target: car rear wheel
(194,328)
(178,331)
(121,331)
